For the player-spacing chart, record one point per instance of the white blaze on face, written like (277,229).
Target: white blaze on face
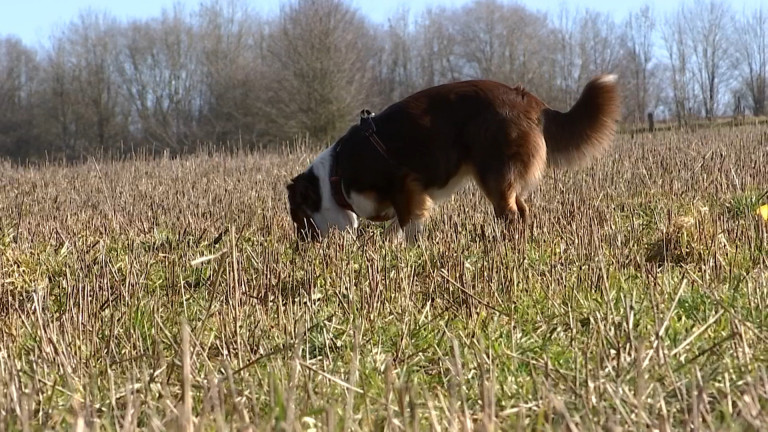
(330,214)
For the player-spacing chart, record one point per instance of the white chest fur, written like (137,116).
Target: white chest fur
(330,214)
(367,206)
(364,205)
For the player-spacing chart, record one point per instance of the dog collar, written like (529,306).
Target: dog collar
(366,122)
(337,192)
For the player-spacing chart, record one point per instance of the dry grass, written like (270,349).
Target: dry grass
(635,300)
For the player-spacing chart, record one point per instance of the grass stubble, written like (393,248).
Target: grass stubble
(170,294)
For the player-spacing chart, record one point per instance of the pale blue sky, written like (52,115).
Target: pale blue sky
(33,20)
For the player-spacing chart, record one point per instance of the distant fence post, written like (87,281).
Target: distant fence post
(650,121)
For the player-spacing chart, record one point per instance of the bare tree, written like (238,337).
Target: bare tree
(481,28)
(674,37)
(222,73)
(140,76)
(436,43)
(321,69)
(599,45)
(91,41)
(79,78)
(751,46)
(161,76)
(58,100)
(565,62)
(527,39)
(500,41)
(19,75)
(232,44)
(395,66)
(639,30)
(707,25)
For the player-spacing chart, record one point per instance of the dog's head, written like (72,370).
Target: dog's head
(313,210)
(305,200)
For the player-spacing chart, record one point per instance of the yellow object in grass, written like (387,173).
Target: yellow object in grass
(763,211)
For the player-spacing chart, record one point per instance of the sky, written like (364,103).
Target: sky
(34,20)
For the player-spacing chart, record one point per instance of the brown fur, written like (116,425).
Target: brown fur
(587,129)
(413,204)
(503,135)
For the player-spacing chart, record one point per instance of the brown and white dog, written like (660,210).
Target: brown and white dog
(420,150)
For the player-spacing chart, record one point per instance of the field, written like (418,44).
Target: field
(170,293)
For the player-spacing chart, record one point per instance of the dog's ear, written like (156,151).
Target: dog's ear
(294,192)
(291,188)
(304,190)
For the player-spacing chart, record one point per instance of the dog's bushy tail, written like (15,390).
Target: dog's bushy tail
(587,129)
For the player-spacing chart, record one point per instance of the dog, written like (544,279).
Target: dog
(420,150)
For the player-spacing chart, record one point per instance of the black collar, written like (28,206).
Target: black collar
(366,122)
(337,191)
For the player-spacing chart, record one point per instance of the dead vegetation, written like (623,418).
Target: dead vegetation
(165,294)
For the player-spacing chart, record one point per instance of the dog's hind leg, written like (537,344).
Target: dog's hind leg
(497,178)
(501,190)
(507,171)
(522,208)
(529,169)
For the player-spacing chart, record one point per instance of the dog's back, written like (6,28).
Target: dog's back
(573,137)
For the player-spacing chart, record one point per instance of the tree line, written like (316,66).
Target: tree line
(221,73)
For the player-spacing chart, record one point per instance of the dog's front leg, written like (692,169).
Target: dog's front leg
(412,208)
